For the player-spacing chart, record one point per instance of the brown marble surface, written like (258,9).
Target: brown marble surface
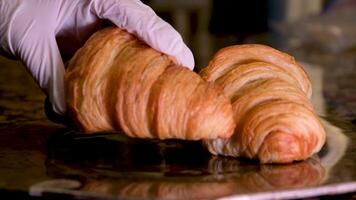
(40,157)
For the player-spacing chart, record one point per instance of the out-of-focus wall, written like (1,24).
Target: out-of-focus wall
(293,10)
(206,25)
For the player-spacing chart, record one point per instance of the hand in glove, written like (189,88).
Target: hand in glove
(41,32)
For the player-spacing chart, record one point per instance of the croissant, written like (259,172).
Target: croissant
(117,82)
(269,92)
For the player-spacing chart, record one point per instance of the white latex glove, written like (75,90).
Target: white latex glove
(39,31)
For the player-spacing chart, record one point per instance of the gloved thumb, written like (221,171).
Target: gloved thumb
(141,20)
(42,58)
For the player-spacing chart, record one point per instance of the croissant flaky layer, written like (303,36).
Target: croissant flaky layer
(269,92)
(116,82)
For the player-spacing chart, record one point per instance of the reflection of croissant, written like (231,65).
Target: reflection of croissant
(271,177)
(117,82)
(232,178)
(168,170)
(269,92)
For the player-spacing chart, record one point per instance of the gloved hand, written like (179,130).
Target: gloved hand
(40,32)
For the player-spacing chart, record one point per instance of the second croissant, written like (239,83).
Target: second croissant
(269,92)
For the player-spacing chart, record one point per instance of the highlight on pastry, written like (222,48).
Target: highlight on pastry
(117,82)
(269,92)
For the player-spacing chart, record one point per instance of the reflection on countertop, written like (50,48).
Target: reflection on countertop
(170,170)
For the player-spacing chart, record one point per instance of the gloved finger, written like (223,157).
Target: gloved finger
(55,117)
(44,62)
(141,20)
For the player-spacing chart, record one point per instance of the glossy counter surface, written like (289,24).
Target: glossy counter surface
(42,158)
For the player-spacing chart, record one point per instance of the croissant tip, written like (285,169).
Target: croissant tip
(282,148)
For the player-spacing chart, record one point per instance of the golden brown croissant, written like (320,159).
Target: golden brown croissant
(116,82)
(269,92)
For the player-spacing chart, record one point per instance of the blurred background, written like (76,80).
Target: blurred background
(208,25)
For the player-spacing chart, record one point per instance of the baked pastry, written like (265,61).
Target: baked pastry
(275,121)
(117,82)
